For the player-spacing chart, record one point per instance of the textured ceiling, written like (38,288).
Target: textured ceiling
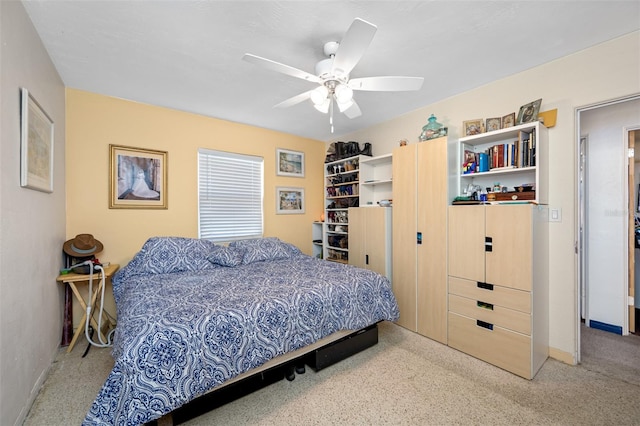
(187,55)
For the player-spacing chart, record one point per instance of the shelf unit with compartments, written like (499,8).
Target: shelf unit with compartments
(342,190)
(530,163)
(358,181)
(375,180)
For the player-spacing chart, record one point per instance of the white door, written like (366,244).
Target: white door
(604,215)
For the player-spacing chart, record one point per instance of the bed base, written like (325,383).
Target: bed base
(316,356)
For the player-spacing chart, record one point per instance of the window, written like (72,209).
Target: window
(229,195)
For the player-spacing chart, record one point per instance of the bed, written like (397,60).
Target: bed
(193,316)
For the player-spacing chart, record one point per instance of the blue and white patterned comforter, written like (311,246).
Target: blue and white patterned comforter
(192,315)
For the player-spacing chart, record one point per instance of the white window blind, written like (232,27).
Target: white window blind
(230,192)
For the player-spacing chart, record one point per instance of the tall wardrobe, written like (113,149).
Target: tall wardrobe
(420,203)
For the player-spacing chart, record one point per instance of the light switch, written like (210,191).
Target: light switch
(555,215)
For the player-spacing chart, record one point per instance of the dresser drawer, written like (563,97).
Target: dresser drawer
(493,314)
(504,348)
(518,300)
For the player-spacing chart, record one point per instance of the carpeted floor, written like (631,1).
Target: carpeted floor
(404,380)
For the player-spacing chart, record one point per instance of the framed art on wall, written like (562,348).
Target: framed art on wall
(289,200)
(137,178)
(290,163)
(36,145)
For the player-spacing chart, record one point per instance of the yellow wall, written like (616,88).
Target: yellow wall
(95,121)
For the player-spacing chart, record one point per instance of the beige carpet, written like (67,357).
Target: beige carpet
(404,380)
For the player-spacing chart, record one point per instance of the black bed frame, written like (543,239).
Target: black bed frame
(317,359)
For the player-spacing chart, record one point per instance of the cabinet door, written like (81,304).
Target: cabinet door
(357,237)
(377,230)
(466,243)
(404,233)
(432,252)
(510,262)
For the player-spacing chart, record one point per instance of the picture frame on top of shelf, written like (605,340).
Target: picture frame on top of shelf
(36,145)
(529,112)
(289,163)
(509,120)
(472,127)
(492,124)
(289,200)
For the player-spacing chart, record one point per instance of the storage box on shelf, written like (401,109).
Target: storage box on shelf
(514,156)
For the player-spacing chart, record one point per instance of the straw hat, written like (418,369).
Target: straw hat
(83,245)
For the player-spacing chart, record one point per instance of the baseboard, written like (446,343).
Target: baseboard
(605,327)
(562,356)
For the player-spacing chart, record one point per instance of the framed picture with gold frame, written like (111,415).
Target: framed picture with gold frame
(509,120)
(472,127)
(137,178)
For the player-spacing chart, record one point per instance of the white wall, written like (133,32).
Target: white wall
(606,71)
(32,226)
(606,230)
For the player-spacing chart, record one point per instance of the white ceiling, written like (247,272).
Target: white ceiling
(187,55)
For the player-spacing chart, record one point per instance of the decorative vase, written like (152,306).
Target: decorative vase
(431,129)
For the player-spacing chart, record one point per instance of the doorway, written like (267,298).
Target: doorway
(606,206)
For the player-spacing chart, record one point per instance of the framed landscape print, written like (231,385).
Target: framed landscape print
(289,200)
(36,145)
(138,178)
(290,163)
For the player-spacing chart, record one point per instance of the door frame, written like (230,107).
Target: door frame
(580,191)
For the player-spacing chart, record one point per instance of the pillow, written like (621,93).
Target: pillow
(227,256)
(261,249)
(163,255)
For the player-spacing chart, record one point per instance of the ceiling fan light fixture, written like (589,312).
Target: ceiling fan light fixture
(344,94)
(323,106)
(319,95)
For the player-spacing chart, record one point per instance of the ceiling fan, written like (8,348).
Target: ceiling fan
(332,74)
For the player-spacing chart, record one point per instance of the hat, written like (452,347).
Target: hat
(83,245)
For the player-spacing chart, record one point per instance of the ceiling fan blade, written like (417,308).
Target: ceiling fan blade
(386,84)
(353,111)
(281,68)
(294,100)
(352,47)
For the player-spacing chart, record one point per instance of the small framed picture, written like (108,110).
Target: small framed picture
(529,112)
(138,178)
(36,145)
(493,124)
(472,127)
(290,163)
(289,200)
(509,120)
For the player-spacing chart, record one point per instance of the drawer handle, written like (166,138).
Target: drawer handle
(485,286)
(484,305)
(484,324)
